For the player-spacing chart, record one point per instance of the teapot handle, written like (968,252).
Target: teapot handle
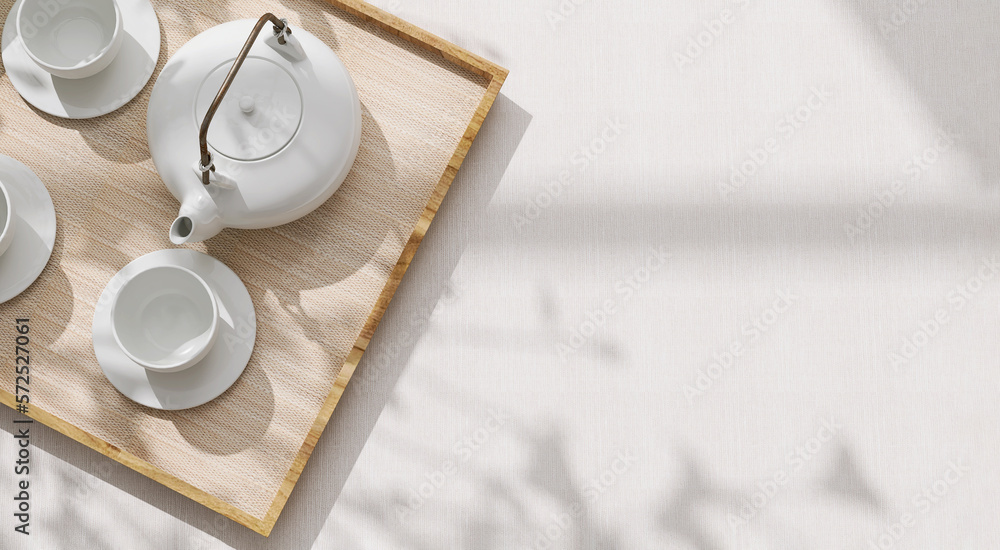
(281,31)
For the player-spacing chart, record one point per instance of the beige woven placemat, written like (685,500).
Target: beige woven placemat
(315,282)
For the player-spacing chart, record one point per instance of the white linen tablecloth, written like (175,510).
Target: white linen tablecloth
(716,274)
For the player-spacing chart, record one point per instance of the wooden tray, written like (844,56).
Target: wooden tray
(100,175)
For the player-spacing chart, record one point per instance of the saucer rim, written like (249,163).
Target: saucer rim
(26,181)
(235,304)
(140,10)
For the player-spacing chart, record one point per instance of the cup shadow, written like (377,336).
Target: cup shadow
(194,424)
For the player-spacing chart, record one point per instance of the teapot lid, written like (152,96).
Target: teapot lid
(284,137)
(260,114)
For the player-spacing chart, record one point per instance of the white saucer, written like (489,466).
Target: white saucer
(97,95)
(211,376)
(34,232)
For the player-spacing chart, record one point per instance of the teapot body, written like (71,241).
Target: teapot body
(283,139)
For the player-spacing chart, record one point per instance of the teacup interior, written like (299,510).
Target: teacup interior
(67,33)
(164,316)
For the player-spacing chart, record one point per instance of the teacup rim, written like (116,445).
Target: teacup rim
(194,358)
(10,211)
(119,28)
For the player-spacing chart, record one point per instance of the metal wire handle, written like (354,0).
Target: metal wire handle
(281,30)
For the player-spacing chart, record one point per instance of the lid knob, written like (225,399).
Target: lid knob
(247,104)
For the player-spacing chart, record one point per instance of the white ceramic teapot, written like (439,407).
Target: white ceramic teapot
(278,126)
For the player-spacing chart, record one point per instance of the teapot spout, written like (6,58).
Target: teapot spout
(197,221)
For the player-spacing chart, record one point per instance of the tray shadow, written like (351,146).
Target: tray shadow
(425,283)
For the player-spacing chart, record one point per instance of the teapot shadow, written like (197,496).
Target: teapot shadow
(309,241)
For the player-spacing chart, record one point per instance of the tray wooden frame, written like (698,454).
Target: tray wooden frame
(495,76)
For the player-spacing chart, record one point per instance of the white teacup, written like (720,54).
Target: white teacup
(7,219)
(165,318)
(71,38)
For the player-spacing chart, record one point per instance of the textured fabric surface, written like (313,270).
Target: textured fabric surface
(313,282)
(476,325)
